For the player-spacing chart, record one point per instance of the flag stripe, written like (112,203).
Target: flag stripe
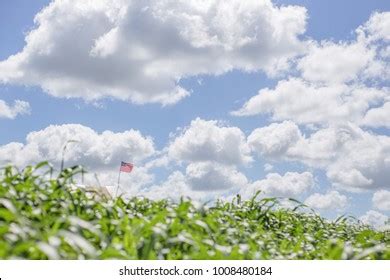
(126,167)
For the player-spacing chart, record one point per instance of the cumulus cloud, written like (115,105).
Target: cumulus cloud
(360,59)
(362,161)
(290,185)
(378,117)
(357,159)
(274,140)
(332,200)
(12,111)
(100,153)
(309,103)
(211,176)
(376,220)
(336,82)
(352,158)
(377,27)
(93,150)
(210,141)
(139,51)
(381,200)
(175,187)
(212,151)
(201,182)
(268,167)
(335,63)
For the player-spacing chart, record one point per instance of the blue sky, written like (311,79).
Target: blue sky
(213,96)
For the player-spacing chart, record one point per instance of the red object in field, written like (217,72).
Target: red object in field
(126,167)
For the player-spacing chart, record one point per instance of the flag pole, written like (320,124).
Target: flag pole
(119,178)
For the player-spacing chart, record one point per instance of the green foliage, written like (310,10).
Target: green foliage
(43,218)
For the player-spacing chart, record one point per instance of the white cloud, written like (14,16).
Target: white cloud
(100,154)
(381,200)
(352,158)
(139,51)
(332,200)
(211,151)
(362,161)
(268,167)
(375,219)
(201,182)
(175,187)
(274,140)
(360,59)
(309,103)
(11,112)
(291,185)
(378,117)
(93,150)
(210,176)
(337,82)
(377,27)
(335,62)
(210,141)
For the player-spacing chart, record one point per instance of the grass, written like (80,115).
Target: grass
(42,218)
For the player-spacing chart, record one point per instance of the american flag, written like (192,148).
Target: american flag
(126,167)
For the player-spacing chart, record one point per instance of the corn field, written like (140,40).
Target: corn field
(47,218)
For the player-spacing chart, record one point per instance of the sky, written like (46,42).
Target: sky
(208,99)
